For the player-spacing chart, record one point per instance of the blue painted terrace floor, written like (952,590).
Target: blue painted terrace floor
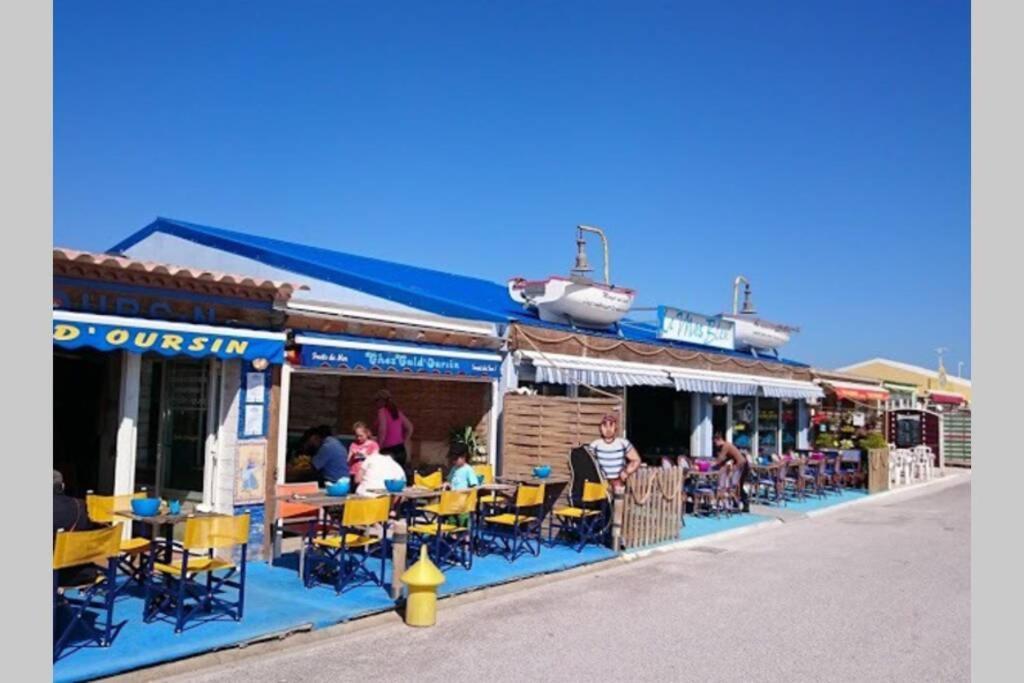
(277,603)
(814,503)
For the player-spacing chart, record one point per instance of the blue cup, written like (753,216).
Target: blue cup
(174,507)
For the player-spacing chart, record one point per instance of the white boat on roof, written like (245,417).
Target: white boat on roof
(752,332)
(575,300)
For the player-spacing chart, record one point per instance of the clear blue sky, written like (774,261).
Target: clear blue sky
(820,148)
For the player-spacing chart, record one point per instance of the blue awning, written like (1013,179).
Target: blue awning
(74,330)
(361,354)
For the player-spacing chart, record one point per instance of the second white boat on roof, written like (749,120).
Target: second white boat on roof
(575,300)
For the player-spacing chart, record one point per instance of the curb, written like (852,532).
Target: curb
(938,483)
(701,540)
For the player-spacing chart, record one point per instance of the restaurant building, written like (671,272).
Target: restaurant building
(165,378)
(362,325)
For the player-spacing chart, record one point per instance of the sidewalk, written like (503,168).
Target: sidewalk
(278,604)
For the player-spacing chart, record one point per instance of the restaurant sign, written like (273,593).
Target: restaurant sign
(399,361)
(75,331)
(685,326)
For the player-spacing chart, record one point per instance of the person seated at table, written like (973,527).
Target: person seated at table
(376,469)
(616,456)
(363,446)
(329,456)
(727,453)
(461,475)
(70,514)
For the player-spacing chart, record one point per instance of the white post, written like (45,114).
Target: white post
(803,425)
(497,405)
(214,381)
(282,421)
(728,420)
(127,423)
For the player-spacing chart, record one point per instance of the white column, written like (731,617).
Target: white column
(282,421)
(802,425)
(497,405)
(701,426)
(127,423)
(728,420)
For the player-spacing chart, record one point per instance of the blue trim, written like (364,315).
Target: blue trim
(176,342)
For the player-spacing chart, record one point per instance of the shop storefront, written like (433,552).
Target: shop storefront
(332,379)
(674,398)
(164,379)
(852,409)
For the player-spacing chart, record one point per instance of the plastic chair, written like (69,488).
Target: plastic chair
(588,521)
(291,517)
(177,583)
(449,531)
(485,473)
(519,530)
(345,554)
(132,560)
(431,482)
(74,548)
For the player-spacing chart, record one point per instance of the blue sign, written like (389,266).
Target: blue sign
(397,361)
(694,328)
(174,341)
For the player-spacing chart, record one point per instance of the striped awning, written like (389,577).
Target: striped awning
(855,391)
(596,372)
(793,389)
(705,382)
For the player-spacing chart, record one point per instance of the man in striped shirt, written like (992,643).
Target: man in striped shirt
(615,455)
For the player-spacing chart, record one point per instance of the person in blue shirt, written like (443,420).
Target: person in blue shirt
(329,456)
(461,475)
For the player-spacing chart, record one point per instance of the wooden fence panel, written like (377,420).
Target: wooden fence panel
(653,507)
(543,430)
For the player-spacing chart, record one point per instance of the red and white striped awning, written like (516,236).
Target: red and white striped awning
(945,398)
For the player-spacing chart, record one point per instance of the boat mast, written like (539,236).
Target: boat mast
(604,242)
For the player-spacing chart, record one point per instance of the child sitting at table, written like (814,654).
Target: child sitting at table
(363,446)
(461,475)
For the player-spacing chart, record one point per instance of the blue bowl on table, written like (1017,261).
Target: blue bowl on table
(146,507)
(542,471)
(394,485)
(340,487)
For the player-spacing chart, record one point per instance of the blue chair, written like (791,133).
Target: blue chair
(587,521)
(176,587)
(342,558)
(91,592)
(447,530)
(519,530)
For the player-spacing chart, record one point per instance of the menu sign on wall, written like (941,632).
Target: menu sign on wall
(685,326)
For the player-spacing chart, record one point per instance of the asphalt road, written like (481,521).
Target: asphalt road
(877,592)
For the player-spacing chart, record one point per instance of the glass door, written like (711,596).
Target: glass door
(174,427)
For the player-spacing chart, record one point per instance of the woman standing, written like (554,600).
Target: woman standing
(393,428)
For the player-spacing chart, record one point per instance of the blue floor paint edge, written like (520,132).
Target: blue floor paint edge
(304,610)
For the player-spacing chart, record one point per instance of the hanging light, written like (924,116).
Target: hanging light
(260,364)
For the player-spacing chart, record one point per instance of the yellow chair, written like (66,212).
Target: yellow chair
(333,553)
(176,581)
(450,530)
(588,520)
(485,473)
(101,510)
(431,482)
(519,530)
(71,550)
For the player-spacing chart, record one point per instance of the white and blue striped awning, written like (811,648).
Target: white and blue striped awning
(791,389)
(554,368)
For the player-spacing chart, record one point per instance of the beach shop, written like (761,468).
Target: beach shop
(165,378)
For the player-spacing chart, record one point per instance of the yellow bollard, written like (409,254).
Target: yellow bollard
(422,578)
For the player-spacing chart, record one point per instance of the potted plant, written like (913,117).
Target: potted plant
(826,440)
(467,436)
(872,441)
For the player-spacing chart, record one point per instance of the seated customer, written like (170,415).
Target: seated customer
(363,446)
(329,456)
(461,475)
(70,514)
(375,470)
